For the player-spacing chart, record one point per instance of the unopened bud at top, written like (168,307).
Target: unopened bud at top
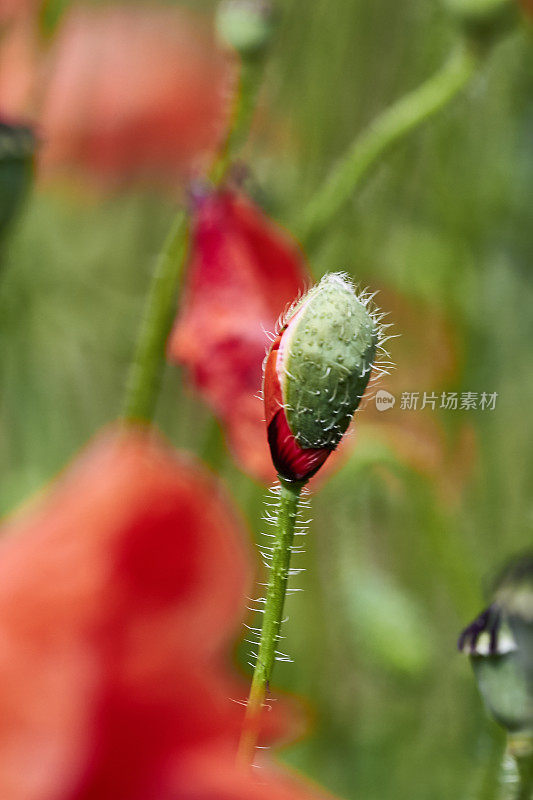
(315,375)
(245,25)
(484,20)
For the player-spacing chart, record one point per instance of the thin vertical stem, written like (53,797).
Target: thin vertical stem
(241,117)
(146,371)
(144,381)
(272,617)
(490,784)
(517,773)
(521,748)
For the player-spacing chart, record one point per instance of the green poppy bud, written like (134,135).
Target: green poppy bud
(316,373)
(245,25)
(484,20)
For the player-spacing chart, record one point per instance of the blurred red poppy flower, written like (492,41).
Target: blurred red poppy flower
(19,55)
(118,592)
(243,271)
(13,10)
(131,92)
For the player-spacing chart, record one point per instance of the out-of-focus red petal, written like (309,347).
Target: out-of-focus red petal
(132,92)
(19,55)
(116,592)
(14,10)
(213,778)
(243,272)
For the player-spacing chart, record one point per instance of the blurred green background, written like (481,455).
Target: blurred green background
(403,537)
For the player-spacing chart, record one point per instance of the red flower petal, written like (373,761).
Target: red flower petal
(243,272)
(116,592)
(18,67)
(291,461)
(213,778)
(132,92)
(13,10)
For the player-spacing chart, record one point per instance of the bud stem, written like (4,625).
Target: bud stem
(392,125)
(520,748)
(272,618)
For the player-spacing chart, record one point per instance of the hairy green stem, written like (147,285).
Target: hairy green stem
(146,372)
(272,617)
(387,129)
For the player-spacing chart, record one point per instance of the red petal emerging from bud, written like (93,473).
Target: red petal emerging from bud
(291,461)
(243,271)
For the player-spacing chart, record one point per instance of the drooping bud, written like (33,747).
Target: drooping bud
(315,375)
(17,146)
(245,25)
(500,645)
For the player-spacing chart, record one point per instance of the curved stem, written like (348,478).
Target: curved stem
(388,128)
(146,371)
(272,617)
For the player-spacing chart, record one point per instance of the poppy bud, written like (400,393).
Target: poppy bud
(484,20)
(315,375)
(500,645)
(17,146)
(245,25)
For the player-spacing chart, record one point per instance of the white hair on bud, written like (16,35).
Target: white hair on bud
(383,364)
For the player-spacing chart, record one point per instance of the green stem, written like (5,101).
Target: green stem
(241,117)
(520,747)
(388,128)
(144,380)
(491,771)
(272,617)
